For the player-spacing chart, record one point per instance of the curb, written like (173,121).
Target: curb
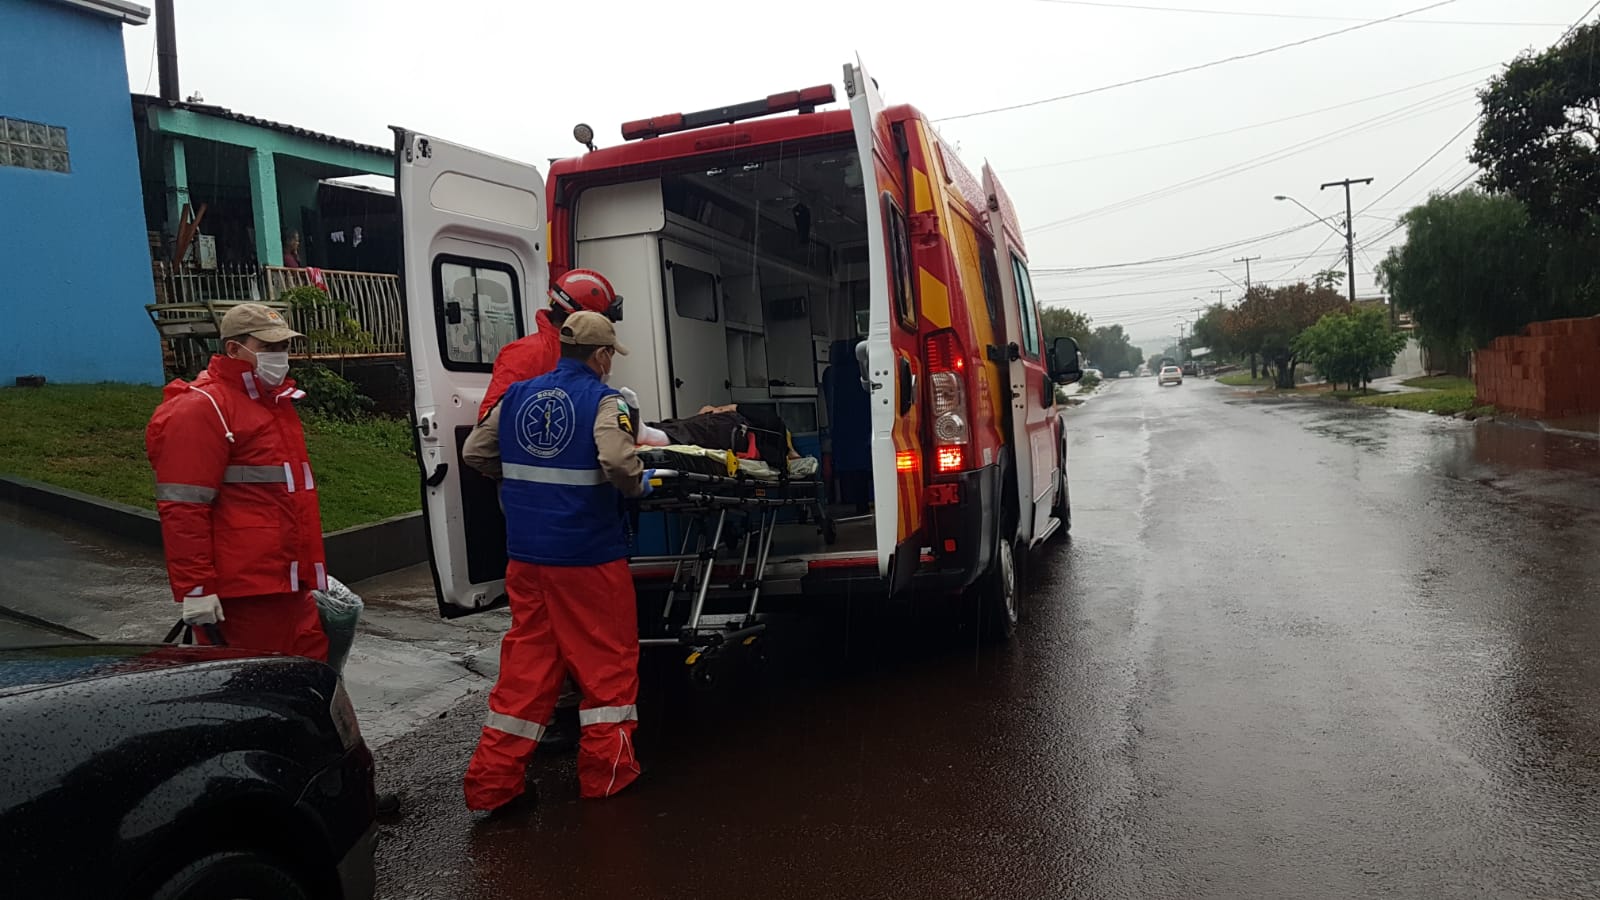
(1511,421)
(353,554)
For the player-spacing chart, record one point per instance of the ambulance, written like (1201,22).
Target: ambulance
(832,262)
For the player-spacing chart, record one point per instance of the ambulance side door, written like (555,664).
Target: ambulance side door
(473,271)
(1034,438)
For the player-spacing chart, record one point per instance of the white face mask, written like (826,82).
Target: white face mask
(272,367)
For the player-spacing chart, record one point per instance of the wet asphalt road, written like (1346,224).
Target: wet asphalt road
(1291,650)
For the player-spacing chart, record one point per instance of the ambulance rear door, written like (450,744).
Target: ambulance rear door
(876,353)
(473,272)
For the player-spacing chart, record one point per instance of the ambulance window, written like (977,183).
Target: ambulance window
(694,293)
(1030,314)
(992,293)
(478,309)
(900,263)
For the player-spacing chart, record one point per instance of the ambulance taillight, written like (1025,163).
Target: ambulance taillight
(947,392)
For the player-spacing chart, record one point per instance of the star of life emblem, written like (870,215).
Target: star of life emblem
(545,423)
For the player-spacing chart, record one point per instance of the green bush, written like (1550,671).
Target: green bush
(330,395)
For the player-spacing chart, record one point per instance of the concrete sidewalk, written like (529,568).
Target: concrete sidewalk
(408,664)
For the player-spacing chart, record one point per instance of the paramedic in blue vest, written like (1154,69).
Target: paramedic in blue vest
(562,446)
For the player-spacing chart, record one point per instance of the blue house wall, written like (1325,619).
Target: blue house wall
(74,258)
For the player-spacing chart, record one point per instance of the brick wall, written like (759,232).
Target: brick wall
(1550,371)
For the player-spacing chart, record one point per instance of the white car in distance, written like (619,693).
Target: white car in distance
(1170,375)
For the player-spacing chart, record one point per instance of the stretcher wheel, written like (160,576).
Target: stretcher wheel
(702,675)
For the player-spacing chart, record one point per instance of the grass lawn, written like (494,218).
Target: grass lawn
(1243,379)
(1441,383)
(90,438)
(1440,402)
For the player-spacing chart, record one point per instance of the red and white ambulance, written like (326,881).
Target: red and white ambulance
(832,262)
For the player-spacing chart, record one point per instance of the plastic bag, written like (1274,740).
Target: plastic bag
(340,609)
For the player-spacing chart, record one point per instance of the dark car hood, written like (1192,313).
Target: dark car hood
(30,668)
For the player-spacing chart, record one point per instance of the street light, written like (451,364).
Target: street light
(1230,278)
(1336,229)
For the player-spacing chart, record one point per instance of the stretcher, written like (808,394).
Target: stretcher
(724,518)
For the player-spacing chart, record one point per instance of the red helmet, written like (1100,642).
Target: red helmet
(585,289)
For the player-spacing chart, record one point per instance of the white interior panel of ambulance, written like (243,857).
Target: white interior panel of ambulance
(745,307)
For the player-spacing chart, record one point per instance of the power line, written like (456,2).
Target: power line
(1404,114)
(1201,137)
(1232,245)
(1272,15)
(1422,165)
(1195,68)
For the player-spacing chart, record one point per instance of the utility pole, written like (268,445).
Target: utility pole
(1349,228)
(1219,292)
(1247,261)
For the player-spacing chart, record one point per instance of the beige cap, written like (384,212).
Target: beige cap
(255,320)
(590,329)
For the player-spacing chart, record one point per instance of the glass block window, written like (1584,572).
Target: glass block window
(31,145)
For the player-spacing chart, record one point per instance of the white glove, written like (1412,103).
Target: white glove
(205,610)
(631,398)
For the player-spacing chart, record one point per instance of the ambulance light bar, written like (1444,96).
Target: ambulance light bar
(805,101)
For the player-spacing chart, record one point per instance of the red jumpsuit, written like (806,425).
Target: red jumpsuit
(238,505)
(522,359)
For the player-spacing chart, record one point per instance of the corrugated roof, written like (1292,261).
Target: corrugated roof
(121,10)
(218,112)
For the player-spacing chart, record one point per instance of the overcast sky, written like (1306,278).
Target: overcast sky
(514,77)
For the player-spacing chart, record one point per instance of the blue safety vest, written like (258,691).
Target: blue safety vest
(560,509)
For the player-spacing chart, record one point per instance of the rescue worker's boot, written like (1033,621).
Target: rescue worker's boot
(561,735)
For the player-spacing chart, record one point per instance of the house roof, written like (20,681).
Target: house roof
(206,109)
(121,10)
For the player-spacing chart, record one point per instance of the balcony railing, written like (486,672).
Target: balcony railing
(185,295)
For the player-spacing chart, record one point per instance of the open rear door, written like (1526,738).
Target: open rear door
(1033,408)
(473,271)
(874,144)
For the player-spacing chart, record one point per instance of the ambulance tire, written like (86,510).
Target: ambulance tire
(1062,508)
(1000,594)
(233,876)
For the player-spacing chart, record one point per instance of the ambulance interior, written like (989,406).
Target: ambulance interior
(746,282)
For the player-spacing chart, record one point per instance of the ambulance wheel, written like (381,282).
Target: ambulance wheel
(1001,596)
(233,876)
(1062,509)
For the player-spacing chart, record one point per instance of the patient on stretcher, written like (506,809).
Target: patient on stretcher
(753,439)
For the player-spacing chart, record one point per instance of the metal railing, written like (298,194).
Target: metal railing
(183,292)
(373,298)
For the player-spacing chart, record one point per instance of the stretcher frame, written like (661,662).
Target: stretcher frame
(708,502)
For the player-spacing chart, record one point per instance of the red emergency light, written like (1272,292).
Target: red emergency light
(806,101)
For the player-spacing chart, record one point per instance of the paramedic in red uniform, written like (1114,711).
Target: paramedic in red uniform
(534,355)
(563,446)
(237,498)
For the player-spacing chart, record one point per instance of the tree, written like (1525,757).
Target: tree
(1541,125)
(1346,346)
(1110,350)
(1058,321)
(1269,319)
(1328,278)
(1210,330)
(1475,267)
